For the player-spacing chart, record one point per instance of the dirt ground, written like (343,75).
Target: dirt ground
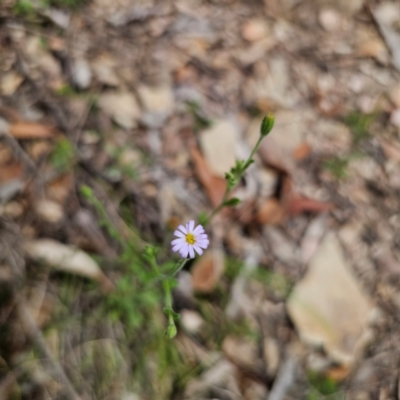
(118,122)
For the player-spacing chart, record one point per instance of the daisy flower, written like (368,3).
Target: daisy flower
(189,240)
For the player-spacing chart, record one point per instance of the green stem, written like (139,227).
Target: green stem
(248,162)
(228,189)
(171,330)
(220,207)
(180,266)
(154,265)
(168,294)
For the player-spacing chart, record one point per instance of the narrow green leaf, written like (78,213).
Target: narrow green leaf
(232,202)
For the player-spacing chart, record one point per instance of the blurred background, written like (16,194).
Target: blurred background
(118,120)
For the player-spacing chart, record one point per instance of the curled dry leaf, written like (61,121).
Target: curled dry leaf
(66,258)
(299,204)
(32,130)
(207,271)
(10,172)
(214,185)
(296,204)
(302,151)
(271,212)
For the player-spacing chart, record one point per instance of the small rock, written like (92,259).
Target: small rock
(191,321)
(158,103)
(219,144)
(49,211)
(329,19)
(122,107)
(328,307)
(254,30)
(395,118)
(104,70)
(81,74)
(10,83)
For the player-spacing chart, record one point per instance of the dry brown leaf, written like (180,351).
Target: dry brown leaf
(271,212)
(60,188)
(66,258)
(215,186)
(10,172)
(206,272)
(299,204)
(339,374)
(302,152)
(295,204)
(32,130)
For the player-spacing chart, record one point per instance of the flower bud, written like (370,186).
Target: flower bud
(267,124)
(171,330)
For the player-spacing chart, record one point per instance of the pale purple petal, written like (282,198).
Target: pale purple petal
(183,229)
(198,249)
(191,226)
(178,246)
(184,251)
(204,244)
(179,234)
(176,241)
(199,229)
(191,251)
(201,236)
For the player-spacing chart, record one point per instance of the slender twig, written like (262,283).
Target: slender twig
(17,150)
(32,329)
(11,249)
(285,379)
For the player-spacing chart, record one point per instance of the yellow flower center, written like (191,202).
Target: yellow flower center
(190,238)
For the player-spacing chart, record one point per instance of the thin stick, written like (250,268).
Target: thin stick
(31,327)
(17,150)
(285,379)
